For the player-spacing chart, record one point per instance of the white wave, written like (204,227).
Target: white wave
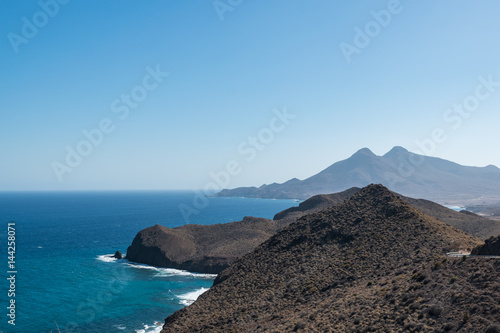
(189,298)
(455,208)
(178,272)
(150,329)
(142,266)
(166,272)
(107,258)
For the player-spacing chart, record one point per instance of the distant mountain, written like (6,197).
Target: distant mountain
(372,263)
(400,170)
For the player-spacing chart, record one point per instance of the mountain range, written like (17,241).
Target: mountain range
(410,174)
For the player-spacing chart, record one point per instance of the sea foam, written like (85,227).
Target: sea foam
(150,329)
(166,272)
(106,258)
(189,298)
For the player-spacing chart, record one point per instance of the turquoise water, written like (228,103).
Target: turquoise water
(65,276)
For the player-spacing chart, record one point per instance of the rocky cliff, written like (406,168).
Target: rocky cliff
(490,248)
(199,248)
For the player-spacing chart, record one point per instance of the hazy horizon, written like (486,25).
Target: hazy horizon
(107,96)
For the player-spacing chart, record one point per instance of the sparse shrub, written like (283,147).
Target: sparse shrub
(448,327)
(466,317)
(493,329)
(299,326)
(454,279)
(435,310)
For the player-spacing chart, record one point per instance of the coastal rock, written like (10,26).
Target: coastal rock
(199,248)
(370,264)
(118,255)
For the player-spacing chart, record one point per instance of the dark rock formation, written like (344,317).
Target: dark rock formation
(118,255)
(400,170)
(490,248)
(370,264)
(199,248)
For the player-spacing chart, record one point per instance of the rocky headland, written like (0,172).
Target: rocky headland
(199,248)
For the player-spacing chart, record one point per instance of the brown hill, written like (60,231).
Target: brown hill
(372,263)
(469,222)
(314,205)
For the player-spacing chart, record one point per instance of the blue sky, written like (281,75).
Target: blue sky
(232,67)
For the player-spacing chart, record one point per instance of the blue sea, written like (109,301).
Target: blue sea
(65,277)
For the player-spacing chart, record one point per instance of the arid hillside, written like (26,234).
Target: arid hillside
(370,264)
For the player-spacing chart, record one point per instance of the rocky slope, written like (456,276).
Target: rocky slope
(401,171)
(370,264)
(469,222)
(490,248)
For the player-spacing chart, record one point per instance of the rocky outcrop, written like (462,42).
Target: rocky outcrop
(199,248)
(370,264)
(490,248)
(118,255)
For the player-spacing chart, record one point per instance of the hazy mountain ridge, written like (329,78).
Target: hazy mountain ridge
(400,170)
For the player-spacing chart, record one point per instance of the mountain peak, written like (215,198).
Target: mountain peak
(364,152)
(396,150)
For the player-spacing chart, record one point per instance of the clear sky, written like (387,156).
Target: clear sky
(269,89)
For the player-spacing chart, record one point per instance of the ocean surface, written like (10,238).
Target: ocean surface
(65,277)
